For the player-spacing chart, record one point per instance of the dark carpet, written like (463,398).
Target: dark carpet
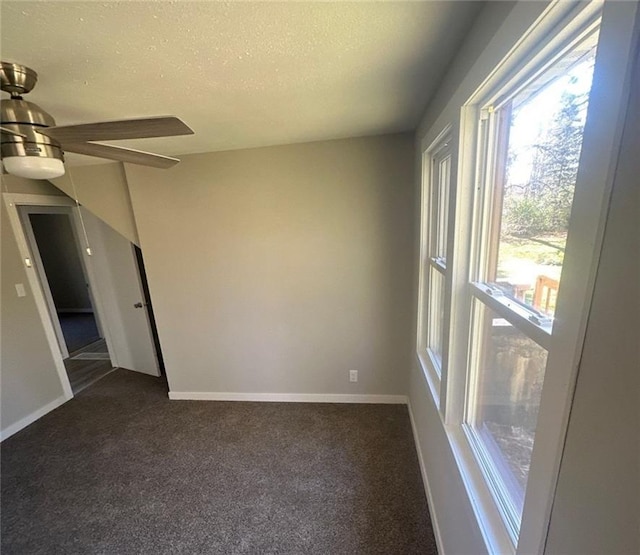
(79,329)
(121,469)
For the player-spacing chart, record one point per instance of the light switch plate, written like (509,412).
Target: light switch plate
(20,290)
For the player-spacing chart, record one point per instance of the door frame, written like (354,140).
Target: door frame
(12,202)
(25,211)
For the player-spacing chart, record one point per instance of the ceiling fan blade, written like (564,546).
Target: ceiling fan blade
(12,132)
(121,154)
(161,126)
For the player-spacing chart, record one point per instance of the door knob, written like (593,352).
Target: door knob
(138,305)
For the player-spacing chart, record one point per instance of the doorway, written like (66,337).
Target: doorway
(53,240)
(121,305)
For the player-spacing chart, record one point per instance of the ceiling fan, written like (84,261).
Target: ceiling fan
(33,146)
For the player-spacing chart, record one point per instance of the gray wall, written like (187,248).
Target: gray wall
(102,189)
(28,375)
(276,270)
(597,503)
(61,260)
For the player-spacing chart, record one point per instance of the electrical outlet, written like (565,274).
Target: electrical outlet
(353,375)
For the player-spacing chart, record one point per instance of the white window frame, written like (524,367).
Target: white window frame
(433,207)
(494,115)
(601,140)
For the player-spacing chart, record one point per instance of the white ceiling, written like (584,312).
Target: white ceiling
(241,74)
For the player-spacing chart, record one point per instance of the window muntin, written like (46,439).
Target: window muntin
(526,139)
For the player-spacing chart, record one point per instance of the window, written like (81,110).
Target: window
(528,151)
(503,311)
(433,309)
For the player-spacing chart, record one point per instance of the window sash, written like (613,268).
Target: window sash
(440,192)
(433,318)
(436,318)
(491,459)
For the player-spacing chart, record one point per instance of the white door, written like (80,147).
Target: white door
(120,294)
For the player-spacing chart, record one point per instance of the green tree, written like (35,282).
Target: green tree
(543,204)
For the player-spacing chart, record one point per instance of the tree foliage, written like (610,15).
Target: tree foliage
(543,204)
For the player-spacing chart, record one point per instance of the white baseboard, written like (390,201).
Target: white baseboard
(30,418)
(425,481)
(288,397)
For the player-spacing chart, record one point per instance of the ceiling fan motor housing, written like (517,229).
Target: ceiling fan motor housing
(24,117)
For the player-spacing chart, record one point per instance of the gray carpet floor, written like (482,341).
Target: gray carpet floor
(121,469)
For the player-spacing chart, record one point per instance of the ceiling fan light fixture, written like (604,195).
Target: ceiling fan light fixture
(34,167)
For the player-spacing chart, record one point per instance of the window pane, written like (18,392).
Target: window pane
(542,136)
(444,172)
(502,407)
(435,316)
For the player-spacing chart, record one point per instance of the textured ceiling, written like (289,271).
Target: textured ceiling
(241,74)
